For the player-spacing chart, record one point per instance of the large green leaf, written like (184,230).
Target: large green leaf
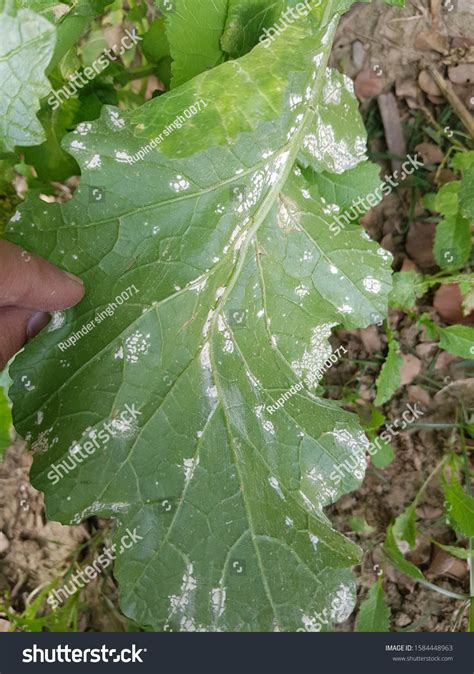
(239,282)
(26,45)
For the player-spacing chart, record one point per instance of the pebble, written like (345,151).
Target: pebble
(4,543)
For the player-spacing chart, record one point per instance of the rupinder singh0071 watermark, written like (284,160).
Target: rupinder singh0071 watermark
(177,123)
(309,381)
(100,316)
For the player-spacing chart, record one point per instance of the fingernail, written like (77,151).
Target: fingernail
(76,279)
(37,322)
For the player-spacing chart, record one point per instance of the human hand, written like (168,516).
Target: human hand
(30,287)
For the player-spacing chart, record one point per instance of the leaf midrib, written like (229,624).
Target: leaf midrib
(260,217)
(271,197)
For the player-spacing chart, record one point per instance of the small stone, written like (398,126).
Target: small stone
(419,245)
(432,40)
(402,620)
(410,369)
(408,265)
(368,84)
(416,394)
(427,84)
(448,303)
(461,74)
(408,90)
(422,552)
(358,54)
(443,564)
(444,360)
(428,512)
(387,243)
(4,543)
(371,340)
(430,153)
(426,349)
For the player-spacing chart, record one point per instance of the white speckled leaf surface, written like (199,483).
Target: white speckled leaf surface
(239,283)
